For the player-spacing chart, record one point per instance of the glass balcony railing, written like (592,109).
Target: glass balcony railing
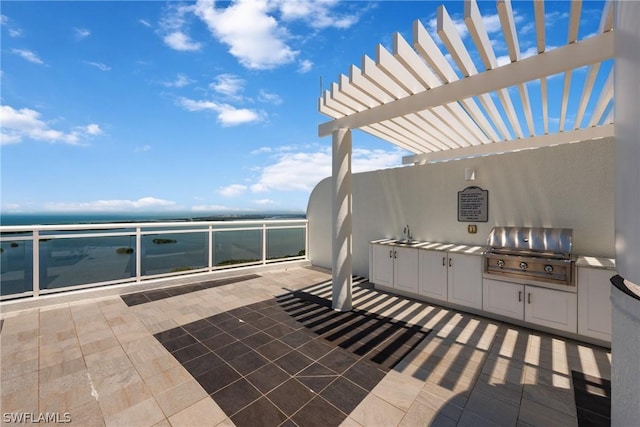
(36,260)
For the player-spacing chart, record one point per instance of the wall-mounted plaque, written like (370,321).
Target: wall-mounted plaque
(473,205)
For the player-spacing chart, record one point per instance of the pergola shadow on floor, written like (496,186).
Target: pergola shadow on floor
(269,350)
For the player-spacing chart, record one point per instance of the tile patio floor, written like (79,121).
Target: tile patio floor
(267,350)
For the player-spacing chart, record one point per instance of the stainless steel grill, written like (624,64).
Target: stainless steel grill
(531,255)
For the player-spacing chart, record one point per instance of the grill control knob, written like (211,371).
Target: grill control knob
(500,263)
(548,269)
(523,266)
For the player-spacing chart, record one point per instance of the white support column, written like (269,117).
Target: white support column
(341,229)
(625,296)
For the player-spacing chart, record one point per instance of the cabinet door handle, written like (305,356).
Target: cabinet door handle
(519,296)
(390,254)
(529,298)
(395,254)
(444,260)
(449,262)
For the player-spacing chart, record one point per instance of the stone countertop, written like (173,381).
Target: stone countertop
(435,246)
(596,262)
(581,261)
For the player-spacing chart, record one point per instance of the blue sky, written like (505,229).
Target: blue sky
(198,106)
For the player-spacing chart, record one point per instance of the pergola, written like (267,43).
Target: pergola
(414,97)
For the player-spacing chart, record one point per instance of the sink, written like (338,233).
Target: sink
(406,242)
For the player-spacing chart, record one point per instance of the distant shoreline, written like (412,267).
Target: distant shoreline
(101,218)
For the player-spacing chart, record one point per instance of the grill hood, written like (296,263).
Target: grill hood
(552,242)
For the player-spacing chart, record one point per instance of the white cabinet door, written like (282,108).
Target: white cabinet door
(405,269)
(551,308)
(594,305)
(465,280)
(382,265)
(432,274)
(503,298)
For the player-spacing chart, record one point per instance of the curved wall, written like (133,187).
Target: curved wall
(570,185)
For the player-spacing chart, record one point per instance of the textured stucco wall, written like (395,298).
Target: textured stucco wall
(570,185)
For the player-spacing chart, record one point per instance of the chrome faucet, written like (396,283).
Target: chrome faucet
(407,232)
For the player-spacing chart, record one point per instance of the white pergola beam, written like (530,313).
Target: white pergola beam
(605,97)
(470,116)
(451,39)
(505,12)
(545,103)
(538,141)
(574,23)
(586,93)
(359,81)
(579,54)
(381,79)
(479,34)
(430,53)
(538,7)
(397,72)
(413,63)
(355,93)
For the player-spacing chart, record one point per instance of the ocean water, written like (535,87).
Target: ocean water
(68,262)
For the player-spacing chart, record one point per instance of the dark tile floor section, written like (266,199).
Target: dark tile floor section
(290,361)
(593,399)
(157,294)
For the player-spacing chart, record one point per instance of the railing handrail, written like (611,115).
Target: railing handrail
(138,230)
(117,225)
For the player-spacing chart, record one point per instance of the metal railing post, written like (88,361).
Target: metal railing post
(36,263)
(138,254)
(210,247)
(264,242)
(306,240)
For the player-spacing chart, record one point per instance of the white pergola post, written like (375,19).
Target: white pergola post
(341,227)
(625,295)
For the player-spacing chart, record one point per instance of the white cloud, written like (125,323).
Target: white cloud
(28,55)
(12,29)
(100,66)
(145,23)
(142,149)
(180,41)
(228,115)
(265,202)
(173,28)
(229,85)
(317,14)
(232,190)
(262,150)
(505,59)
(180,81)
(305,66)
(254,37)
(301,171)
(93,129)
(141,204)
(26,123)
(218,208)
(271,98)
(81,33)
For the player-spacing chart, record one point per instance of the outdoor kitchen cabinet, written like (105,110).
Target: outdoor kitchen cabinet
(464,280)
(551,308)
(533,304)
(395,267)
(594,305)
(432,274)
